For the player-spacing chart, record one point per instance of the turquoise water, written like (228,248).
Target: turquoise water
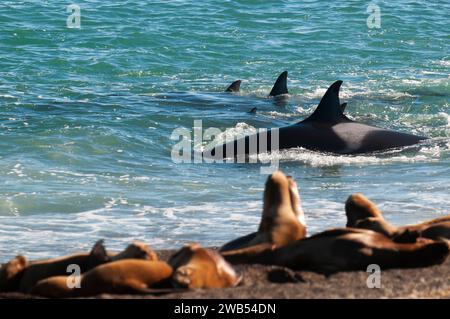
(86,115)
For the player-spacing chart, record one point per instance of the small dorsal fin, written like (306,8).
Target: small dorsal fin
(280,86)
(343,106)
(329,109)
(234,87)
(252,111)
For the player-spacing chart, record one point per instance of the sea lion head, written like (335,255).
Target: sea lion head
(197,267)
(358,207)
(10,271)
(279,196)
(282,218)
(137,250)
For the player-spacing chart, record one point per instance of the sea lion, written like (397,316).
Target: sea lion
(127,276)
(197,267)
(136,250)
(42,269)
(282,220)
(344,249)
(11,273)
(362,213)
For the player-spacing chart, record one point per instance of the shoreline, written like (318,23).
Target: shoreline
(273,282)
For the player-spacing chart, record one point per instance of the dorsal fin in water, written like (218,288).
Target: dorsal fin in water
(330,109)
(252,111)
(280,86)
(234,87)
(343,106)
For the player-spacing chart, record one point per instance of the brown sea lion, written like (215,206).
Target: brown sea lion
(42,269)
(129,276)
(11,273)
(362,213)
(136,250)
(344,249)
(282,220)
(197,267)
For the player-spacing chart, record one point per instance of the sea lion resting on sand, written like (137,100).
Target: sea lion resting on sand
(21,275)
(344,249)
(197,267)
(362,213)
(136,250)
(11,273)
(282,220)
(24,277)
(118,277)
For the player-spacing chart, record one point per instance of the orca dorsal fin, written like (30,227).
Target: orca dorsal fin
(329,109)
(343,106)
(280,86)
(253,111)
(234,87)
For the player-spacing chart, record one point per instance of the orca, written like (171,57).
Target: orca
(234,87)
(326,130)
(253,110)
(280,86)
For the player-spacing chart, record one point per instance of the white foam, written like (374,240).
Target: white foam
(443,63)
(317,159)
(7,96)
(350,90)
(241,129)
(446,117)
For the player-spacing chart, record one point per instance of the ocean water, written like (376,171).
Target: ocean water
(86,115)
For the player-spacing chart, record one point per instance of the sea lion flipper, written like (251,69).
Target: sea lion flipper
(98,254)
(406,236)
(280,86)
(260,253)
(433,253)
(239,242)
